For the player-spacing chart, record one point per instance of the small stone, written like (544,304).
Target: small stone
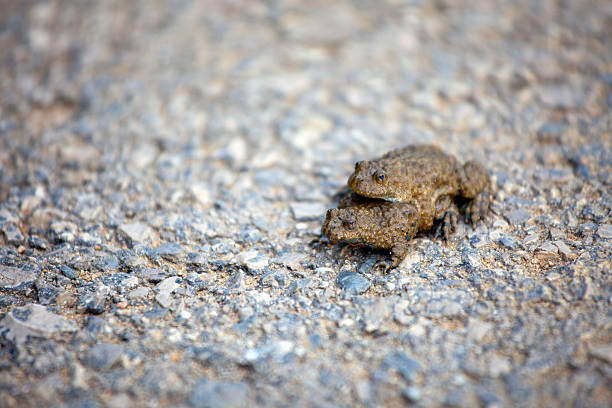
(156,314)
(531,239)
(63,231)
(291,260)
(69,272)
(604,231)
(444,307)
(413,258)
(561,96)
(33,320)
(164,299)
(457,398)
(517,217)
(47,295)
(107,264)
(165,289)
(412,394)
(407,366)
(508,242)
(169,285)
(565,250)
(139,293)
(363,390)
(235,284)
(213,394)
(234,151)
(38,243)
(13,278)
(66,299)
(12,234)
(103,355)
(499,366)
(602,352)
(152,275)
(310,130)
(129,283)
(556,234)
(352,283)
(376,314)
(477,329)
(195,279)
(550,133)
(171,251)
(137,232)
(303,211)
(245,312)
(547,251)
(196,258)
(252,260)
(489,399)
(471,257)
(87,239)
(120,400)
(79,376)
(143,156)
(402,314)
(202,192)
(94,303)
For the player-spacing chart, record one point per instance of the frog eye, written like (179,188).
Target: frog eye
(380,177)
(348,224)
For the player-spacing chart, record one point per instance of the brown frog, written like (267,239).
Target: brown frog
(375,223)
(403,193)
(428,178)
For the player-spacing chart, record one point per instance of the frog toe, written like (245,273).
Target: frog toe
(448,225)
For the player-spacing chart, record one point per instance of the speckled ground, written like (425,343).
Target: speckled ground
(164,171)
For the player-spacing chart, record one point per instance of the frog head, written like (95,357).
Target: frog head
(370,179)
(342,224)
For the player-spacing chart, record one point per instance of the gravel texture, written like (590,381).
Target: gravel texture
(165,167)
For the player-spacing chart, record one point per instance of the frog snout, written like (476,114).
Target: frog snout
(331,213)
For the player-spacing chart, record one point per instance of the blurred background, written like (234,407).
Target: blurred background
(259,84)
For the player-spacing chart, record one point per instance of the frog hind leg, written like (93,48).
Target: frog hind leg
(477,208)
(472,178)
(474,185)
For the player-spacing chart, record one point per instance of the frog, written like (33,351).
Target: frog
(433,181)
(375,223)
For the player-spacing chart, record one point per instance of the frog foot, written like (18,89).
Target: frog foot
(478,208)
(383,265)
(448,224)
(398,253)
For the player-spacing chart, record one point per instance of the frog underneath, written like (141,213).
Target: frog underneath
(404,192)
(375,223)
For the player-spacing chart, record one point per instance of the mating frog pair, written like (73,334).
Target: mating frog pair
(405,192)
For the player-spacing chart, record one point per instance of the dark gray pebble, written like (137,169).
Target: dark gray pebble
(352,282)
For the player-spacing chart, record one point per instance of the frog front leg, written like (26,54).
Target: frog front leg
(407,228)
(398,253)
(478,208)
